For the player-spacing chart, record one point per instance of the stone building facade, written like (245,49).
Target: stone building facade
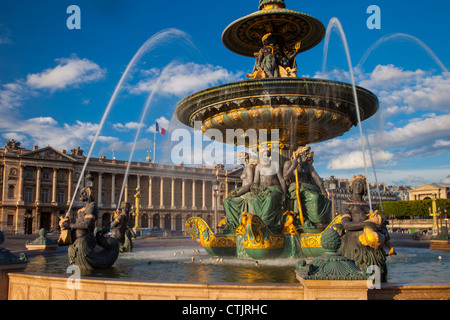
(38,185)
(430,191)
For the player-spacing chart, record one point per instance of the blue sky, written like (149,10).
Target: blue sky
(56,83)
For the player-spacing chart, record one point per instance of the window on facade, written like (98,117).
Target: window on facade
(61,175)
(61,196)
(11,190)
(28,194)
(29,173)
(45,195)
(46,174)
(10,220)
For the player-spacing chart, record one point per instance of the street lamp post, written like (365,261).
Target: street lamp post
(215,186)
(137,210)
(332,186)
(434,214)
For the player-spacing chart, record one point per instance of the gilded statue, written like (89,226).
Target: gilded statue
(274,60)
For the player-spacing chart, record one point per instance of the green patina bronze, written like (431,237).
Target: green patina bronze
(331,265)
(7,257)
(280,214)
(42,241)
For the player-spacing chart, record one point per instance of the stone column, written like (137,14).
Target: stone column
(138,181)
(38,184)
(69,186)
(125,190)
(213,198)
(20,198)
(54,185)
(193,195)
(100,187)
(172,200)
(203,194)
(113,189)
(161,196)
(183,195)
(150,204)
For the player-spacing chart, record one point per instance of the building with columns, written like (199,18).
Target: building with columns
(430,191)
(38,185)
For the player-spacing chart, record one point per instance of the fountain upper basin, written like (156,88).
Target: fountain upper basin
(304,110)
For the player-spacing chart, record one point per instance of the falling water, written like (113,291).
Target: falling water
(334,22)
(156,39)
(402,36)
(144,113)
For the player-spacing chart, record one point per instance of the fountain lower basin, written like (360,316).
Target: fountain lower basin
(411,266)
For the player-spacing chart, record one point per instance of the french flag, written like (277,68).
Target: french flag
(160,129)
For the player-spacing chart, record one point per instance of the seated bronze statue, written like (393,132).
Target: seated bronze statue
(365,231)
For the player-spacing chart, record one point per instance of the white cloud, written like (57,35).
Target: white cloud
(183,79)
(126,127)
(355,160)
(12,95)
(400,91)
(441,143)
(446,179)
(417,132)
(69,72)
(420,137)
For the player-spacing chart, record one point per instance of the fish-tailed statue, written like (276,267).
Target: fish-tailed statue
(307,196)
(121,230)
(269,189)
(84,237)
(239,201)
(365,232)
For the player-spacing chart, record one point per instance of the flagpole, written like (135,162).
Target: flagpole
(154,147)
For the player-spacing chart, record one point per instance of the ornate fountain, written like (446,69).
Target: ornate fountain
(286,214)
